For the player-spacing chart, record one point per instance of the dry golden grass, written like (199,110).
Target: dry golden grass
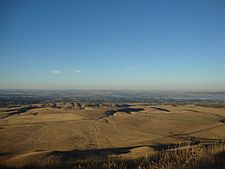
(184,157)
(98,136)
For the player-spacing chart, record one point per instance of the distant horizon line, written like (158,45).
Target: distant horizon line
(141,90)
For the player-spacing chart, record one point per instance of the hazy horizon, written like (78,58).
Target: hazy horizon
(113,45)
(114,90)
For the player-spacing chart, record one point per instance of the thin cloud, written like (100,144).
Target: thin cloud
(76,71)
(56,72)
(128,68)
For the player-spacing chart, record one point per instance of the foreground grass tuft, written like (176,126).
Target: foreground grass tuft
(188,157)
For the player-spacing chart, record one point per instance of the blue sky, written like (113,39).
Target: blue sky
(112,44)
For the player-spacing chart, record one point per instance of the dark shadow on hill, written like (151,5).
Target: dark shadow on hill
(92,153)
(196,111)
(161,109)
(128,110)
(222,120)
(105,153)
(4,154)
(18,111)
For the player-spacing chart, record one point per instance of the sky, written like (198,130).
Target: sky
(112,44)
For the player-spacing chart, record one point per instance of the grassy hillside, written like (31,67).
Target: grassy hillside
(200,156)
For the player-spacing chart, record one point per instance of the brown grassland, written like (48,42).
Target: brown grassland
(109,135)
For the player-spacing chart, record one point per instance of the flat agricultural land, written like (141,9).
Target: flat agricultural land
(43,131)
